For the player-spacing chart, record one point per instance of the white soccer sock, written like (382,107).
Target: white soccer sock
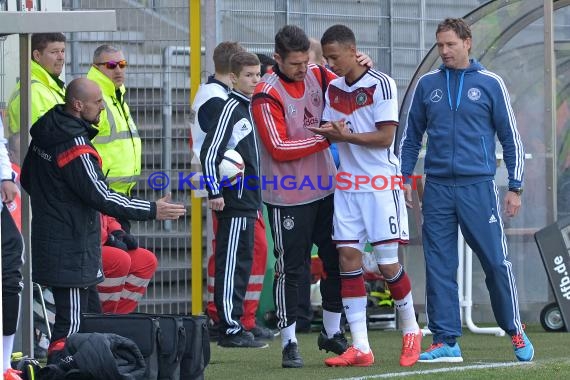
(288,334)
(331,322)
(407,314)
(355,310)
(7,345)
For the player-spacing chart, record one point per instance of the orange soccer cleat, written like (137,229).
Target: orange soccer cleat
(411,348)
(352,357)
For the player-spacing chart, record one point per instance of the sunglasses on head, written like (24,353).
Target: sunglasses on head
(111,65)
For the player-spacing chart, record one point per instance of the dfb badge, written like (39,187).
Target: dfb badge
(288,223)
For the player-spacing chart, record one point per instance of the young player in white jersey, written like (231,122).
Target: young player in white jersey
(361,113)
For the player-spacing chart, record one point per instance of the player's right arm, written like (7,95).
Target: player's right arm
(269,117)
(413,134)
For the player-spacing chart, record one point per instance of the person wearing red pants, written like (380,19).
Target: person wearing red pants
(128,269)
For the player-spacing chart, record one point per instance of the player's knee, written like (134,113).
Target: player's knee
(387,257)
(350,256)
(390,271)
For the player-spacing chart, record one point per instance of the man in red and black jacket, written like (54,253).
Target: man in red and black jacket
(63,176)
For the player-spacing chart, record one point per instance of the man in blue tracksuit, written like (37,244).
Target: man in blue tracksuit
(462,107)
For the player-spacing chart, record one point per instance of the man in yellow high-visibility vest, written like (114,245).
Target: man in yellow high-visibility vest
(47,89)
(118,141)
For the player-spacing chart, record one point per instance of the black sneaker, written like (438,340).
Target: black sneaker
(263,333)
(337,344)
(243,339)
(291,356)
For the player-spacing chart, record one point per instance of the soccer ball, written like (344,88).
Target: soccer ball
(231,168)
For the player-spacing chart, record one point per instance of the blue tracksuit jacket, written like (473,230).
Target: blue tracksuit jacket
(464,109)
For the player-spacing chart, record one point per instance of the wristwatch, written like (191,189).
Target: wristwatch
(516,190)
(11,179)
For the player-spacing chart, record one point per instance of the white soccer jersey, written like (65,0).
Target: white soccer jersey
(370,100)
(206,91)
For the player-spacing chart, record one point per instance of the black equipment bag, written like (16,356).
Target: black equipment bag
(142,329)
(197,352)
(171,344)
(180,344)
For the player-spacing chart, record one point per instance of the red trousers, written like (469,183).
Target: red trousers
(127,275)
(255,284)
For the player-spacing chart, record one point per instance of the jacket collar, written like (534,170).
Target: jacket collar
(240,97)
(280,74)
(105,83)
(213,80)
(41,74)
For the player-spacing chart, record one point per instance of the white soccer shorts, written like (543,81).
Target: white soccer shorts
(376,217)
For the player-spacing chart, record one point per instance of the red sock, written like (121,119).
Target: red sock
(401,287)
(352,285)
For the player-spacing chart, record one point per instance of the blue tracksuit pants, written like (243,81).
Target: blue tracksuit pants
(476,209)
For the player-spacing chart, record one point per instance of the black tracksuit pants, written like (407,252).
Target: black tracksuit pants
(70,303)
(295,229)
(12,261)
(234,257)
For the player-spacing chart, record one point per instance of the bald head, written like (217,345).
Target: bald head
(78,89)
(84,100)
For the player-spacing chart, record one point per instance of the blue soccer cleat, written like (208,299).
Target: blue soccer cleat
(441,353)
(524,350)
